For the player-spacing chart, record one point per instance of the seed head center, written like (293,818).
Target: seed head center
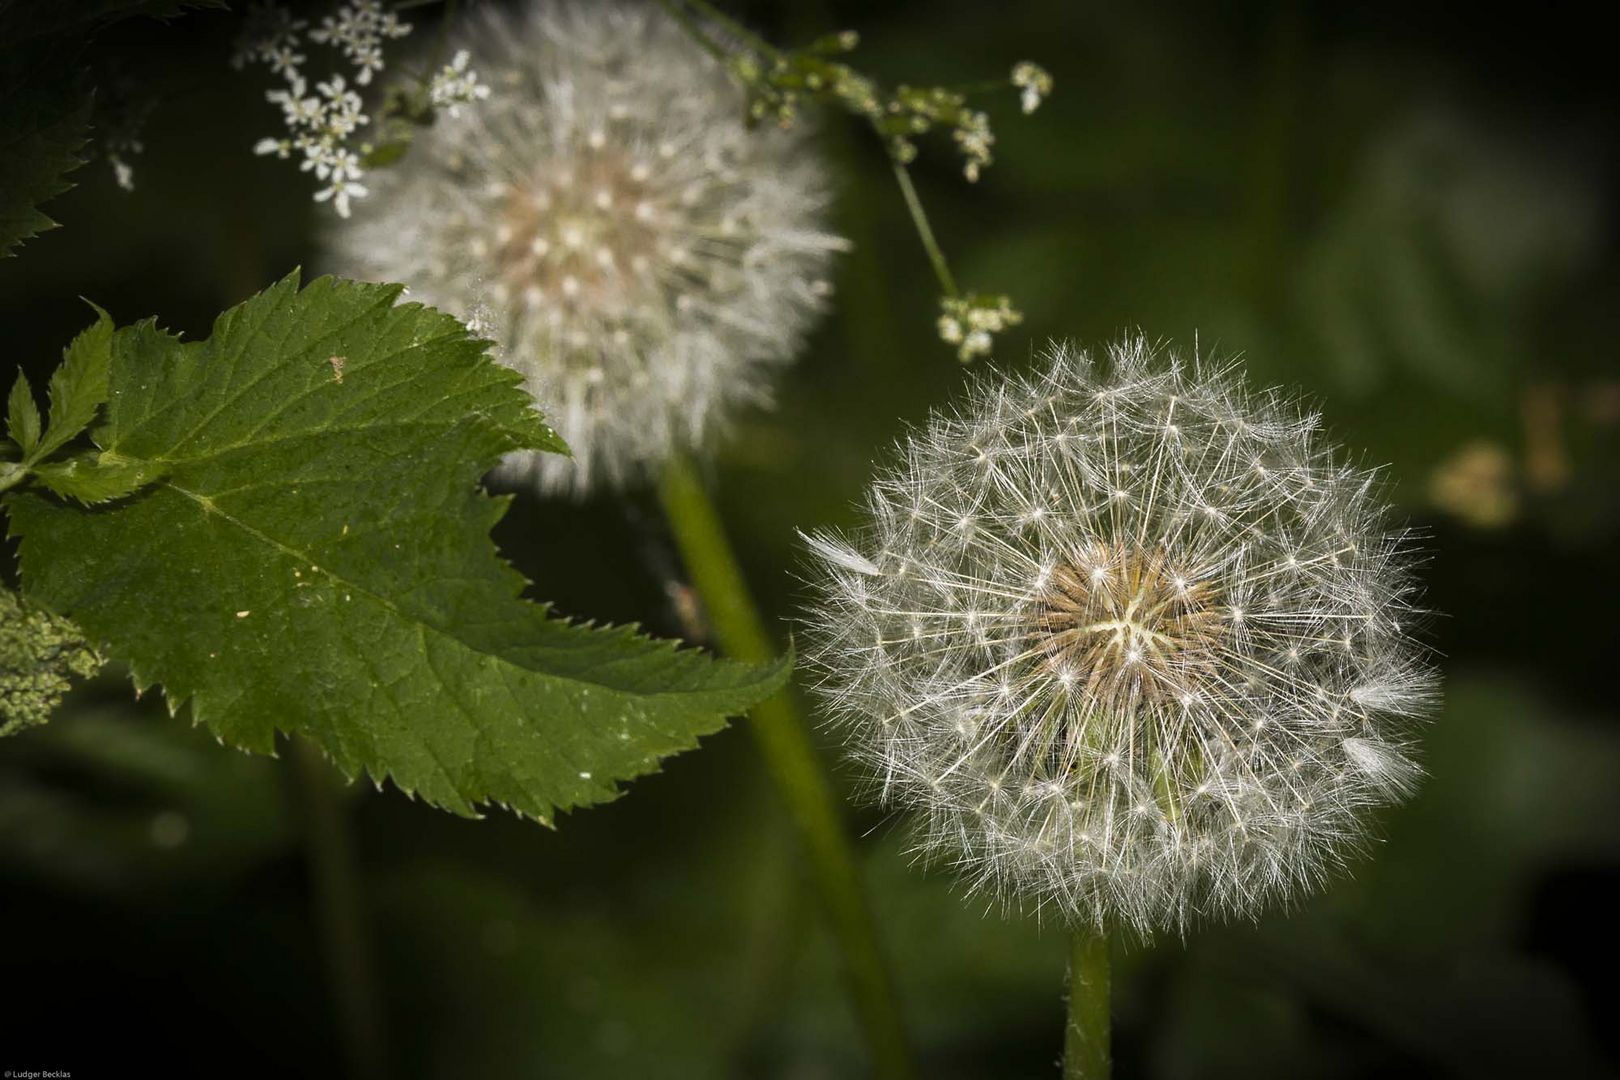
(592,235)
(1125,624)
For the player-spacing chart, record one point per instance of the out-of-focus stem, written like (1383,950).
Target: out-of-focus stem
(790,758)
(693,30)
(925,232)
(737,29)
(1086,1054)
(340,913)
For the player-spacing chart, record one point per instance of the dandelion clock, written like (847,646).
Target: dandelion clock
(645,260)
(1132,640)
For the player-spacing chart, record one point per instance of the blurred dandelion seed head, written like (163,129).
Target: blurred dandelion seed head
(639,255)
(1134,641)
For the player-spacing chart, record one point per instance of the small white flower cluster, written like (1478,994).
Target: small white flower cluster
(270,36)
(974,139)
(455,86)
(1135,642)
(970,323)
(323,124)
(359,29)
(1034,83)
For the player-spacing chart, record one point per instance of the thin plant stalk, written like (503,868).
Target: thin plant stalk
(784,742)
(908,190)
(1086,1035)
(925,232)
(339,909)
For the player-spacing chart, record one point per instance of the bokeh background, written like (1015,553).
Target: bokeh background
(1406,210)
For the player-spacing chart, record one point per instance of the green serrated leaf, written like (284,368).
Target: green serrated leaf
(78,387)
(22,415)
(94,478)
(44,124)
(316,559)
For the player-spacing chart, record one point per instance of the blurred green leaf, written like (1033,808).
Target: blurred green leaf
(117,801)
(44,125)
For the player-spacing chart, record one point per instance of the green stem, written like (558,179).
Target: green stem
(679,13)
(1086,1034)
(678,9)
(925,232)
(790,758)
(340,913)
(737,29)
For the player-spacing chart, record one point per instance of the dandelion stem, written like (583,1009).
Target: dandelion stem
(925,232)
(1085,1033)
(790,758)
(340,913)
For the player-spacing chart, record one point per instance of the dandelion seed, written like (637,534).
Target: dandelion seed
(1174,714)
(655,260)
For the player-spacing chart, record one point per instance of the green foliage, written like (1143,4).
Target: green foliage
(77,389)
(123,803)
(311,555)
(45,99)
(79,386)
(44,123)
(39,653)
(22,415)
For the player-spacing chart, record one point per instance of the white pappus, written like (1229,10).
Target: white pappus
(645,260)
(1133,640)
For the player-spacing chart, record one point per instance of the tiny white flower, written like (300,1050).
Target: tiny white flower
(455,85)
(969,322)
(1034,83)
(974,138)
(340,191)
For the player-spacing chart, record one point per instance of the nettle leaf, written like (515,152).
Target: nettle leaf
(44,124)
(93,478)
(79,386)
(22,415)
(315,559)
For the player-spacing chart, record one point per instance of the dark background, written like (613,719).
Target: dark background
(1406,210)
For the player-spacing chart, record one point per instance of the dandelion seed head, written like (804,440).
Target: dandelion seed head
(646,261)
(1174,694)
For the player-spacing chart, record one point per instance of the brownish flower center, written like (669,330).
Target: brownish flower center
(1121,621)
(590,236)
